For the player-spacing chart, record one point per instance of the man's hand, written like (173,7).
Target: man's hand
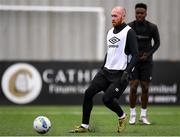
(124,76)
(144,56)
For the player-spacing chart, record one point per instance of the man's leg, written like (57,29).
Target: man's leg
(133,91)
(132,100)
(110,100)
(98,84)
(144,96)
(93,89)
(146,77)
(144,102)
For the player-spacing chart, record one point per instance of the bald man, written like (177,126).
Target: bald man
(112,78)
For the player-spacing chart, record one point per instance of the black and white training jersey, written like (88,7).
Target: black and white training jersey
(116,56)
(122,51)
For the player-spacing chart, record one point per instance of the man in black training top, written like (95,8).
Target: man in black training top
(146,32)
(112,78)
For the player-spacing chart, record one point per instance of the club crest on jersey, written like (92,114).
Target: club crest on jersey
(114,40)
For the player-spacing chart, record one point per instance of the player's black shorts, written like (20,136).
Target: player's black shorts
(142,71)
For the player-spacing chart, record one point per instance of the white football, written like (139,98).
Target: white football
(42,124)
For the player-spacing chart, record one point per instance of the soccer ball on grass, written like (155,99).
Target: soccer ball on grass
(42,124)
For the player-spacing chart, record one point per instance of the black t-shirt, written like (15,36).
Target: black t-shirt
(145,33)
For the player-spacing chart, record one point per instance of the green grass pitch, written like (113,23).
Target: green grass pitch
(18,121)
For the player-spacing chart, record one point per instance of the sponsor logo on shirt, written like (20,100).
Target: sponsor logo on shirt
(114,40)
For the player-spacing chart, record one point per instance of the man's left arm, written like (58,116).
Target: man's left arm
(156,39)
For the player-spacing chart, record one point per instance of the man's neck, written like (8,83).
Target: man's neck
(118,28)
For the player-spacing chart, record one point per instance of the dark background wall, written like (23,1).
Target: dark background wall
(63,83)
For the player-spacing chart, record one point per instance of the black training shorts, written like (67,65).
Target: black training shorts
(142,71)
